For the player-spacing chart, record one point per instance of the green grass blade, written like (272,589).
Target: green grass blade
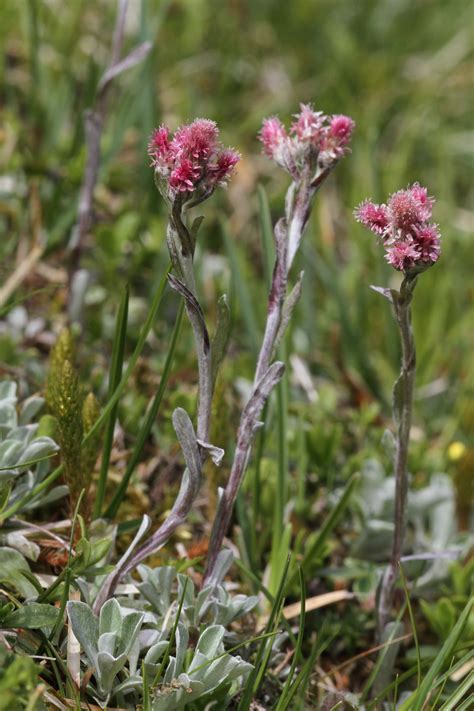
(387,649)
(256,677)
(278,557)
(418,698)
(248,309)
(166,656)
(29,463)
(155,304)
(290,689)
(115,376)
(467,704)
(466,685)
(412,622)
(149,420)
(317,545)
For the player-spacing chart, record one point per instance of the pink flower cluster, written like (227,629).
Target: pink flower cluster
(403,224)
(314,140)
(191,163)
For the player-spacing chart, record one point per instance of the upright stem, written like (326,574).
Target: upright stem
(402,411)
(288,233)
(94,123)
(181,248)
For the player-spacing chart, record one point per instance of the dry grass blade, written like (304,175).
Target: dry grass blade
(315,602)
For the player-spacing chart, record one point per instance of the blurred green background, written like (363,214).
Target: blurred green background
(401,68)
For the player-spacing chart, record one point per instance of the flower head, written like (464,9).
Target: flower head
(341,128)
(373,216)
(192,163)
(308,124)
(410,240)
(428,243)
(313,144)
(404,210)
(221,170)
(196,140)
(401,255)
(273,135)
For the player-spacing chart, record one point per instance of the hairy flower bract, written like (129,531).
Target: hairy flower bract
(192,163)
(411,241)
(314,141)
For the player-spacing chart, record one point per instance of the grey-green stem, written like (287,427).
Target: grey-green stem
(402,412)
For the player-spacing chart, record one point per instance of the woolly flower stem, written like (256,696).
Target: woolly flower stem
(402,411)
(288,233)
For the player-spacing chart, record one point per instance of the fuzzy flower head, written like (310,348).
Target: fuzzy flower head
(192,163)
(313,144)
(411,242)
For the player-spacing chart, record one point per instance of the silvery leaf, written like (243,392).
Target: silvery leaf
(131,623)
(26,547)
(10,452)
(182,639)
(192,305)
(216,453)
(222,566)
(210,641)
(110,619)
(24,433)
(8,390)
(187,438)
(39,448)
(288,308)
(107,669)
(29,409)
(155,652)
(107,642)
(58,492)
(170,669)
(85,626)
(390,294)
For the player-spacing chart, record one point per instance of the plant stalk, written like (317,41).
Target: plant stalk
(402,412)
(287,233)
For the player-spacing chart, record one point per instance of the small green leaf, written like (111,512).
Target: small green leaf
(12,567)
(33,616)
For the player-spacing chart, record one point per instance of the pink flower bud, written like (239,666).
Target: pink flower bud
(192,163)
(404,209)
(184,176)
(425,203)
(373,216)
(272,135)
(409,239)
(427,242)
(402,256)
(309,124)
(196,140)
(221,170)
(341,129)
(159,146)
(314,144)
